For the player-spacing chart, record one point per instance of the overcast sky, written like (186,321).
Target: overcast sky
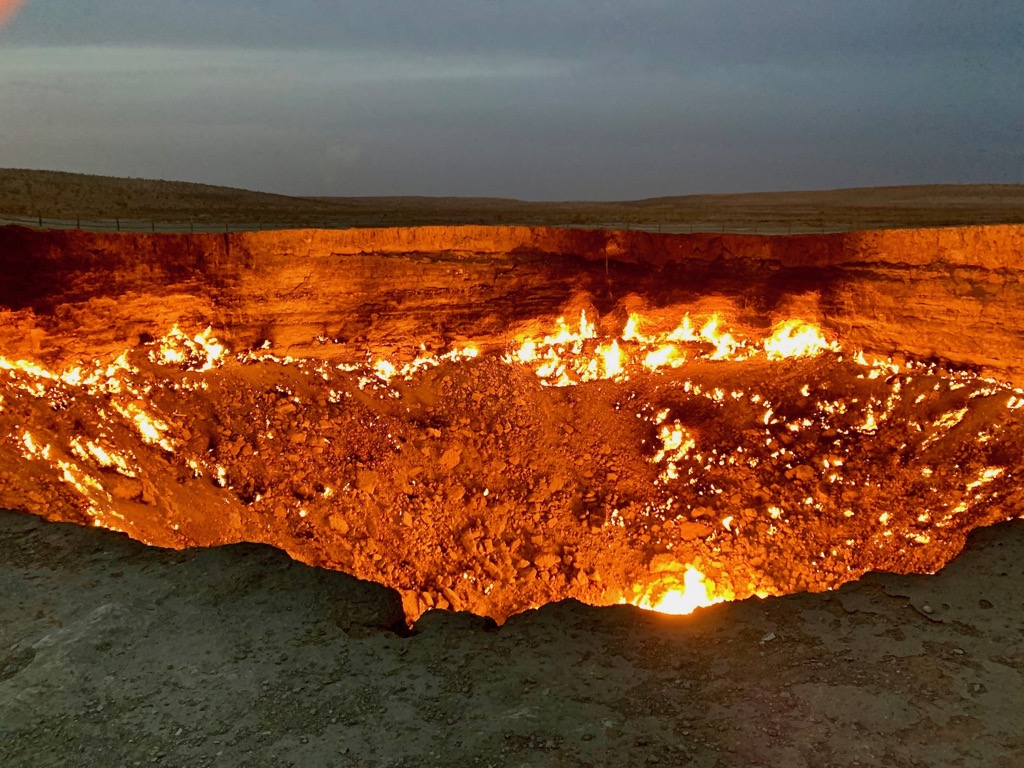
(545,99)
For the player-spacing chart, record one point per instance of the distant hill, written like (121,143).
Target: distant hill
(59,195)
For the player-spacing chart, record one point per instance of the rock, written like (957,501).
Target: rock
(450,458)
(367,480)
(125,488)
(546,561)
(468,541)
(801,472)
(687,530)
(149,493)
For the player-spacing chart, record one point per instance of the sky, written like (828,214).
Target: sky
(533,99)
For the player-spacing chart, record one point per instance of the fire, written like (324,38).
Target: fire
(572,356)
(386,370)
(611,359)
(661,357)
(32,450)
(630,333)
(201,352)
(151,429)
(679,598)
(795,338)
(725,344)
(85,449)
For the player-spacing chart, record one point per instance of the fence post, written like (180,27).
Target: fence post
(152,225)
(117,222)
(40,221)
(78,222)
(191,225)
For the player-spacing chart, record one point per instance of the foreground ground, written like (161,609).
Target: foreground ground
(112,653)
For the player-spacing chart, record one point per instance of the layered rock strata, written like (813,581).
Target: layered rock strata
(952,293)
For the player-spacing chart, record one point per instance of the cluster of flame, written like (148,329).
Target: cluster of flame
(574,356)
(567,357)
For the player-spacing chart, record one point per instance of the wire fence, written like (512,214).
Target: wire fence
(202,226)
(708,226)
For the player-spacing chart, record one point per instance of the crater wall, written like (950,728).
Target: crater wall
(953,293)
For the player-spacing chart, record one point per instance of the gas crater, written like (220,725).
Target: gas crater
(491,425)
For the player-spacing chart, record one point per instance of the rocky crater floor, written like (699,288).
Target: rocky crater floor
(115,653)
(477,482)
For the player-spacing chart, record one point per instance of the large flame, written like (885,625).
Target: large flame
(680,596)
(795,338)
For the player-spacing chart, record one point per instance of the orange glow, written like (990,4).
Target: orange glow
(201,352)
(612,359)
(680,597)
(570,355)
(795,338)
(8,8)
(661,476)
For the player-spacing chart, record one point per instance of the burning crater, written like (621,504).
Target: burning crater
(500,426)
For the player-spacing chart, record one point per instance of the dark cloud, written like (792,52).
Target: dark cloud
(553,99)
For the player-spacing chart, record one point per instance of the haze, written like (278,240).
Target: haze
(560,99)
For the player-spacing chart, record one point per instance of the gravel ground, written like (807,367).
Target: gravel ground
(113,653)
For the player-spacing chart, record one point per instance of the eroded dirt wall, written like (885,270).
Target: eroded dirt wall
(955,293)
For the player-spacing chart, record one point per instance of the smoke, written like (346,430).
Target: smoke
(7,10)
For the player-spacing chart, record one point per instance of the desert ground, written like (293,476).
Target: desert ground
(112,653)
(142,203)
(116,653)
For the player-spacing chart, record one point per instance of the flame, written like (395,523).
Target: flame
(150,428)
(569,355)
(661,357)
(795,338)
(679,598)
(630,330)
(33,450)
(724,343)
(385,370)
(676,444)
(202,352)
(105,458)
(611,357)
